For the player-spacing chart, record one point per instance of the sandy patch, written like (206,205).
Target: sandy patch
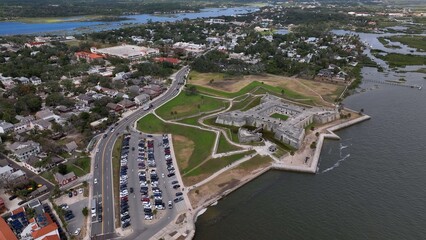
(183,150)
(224,182)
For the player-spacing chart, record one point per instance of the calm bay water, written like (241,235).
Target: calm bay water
(370,184)
(13,28)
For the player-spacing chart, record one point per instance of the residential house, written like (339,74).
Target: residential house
(22,80)
(134,89)
(42,124)
(65,179)
(22,127)
(70,147)
(7,82)
(114,107)
(126,103)
(84,98)
(35,80)
(89,57)
(122,95)
(47,115)
(32,164)
(23,150)
(121,76)
(142,99)
(5,127)
(5,232)
(12,177)
(41,227)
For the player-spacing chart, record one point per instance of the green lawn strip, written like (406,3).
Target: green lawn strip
(231,130)
(255,102)
(48,175)
(77,171)
(262,90)
(215,164)
(225,146)
(418,42)
(255,162)
(250,87)
(203,140)
(279,116)
(246,103)
(116,153)
(402,60)
(191,121)
(186,105)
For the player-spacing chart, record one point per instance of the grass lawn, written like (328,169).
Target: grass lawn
(116,152)
(279,116)
(215,164)
(48,175)
(203,140)
(224,146)
(246,104)
(255,162)
(401,60)
(418,42)
(232,131)
(250,87)
(78,171)
(83,163)
(186,105)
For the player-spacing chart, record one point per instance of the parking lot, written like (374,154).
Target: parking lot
(148,192)
(72,210)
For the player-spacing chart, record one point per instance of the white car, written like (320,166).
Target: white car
(95,181)
(80,190)
(77,231)
(147,217)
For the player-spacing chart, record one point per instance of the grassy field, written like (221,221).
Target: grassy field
(186,105)
(224,146)
(255,162)
(279,116)
(83,163)
(294,88)
(232,131)
(402,60)
(215,164)
(418,42)
(116,152)
(187,156)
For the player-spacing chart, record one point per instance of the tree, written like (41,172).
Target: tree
(62,169)
(85,211)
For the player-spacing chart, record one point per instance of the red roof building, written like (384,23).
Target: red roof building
(2,206)
(49,229)
(88,56)
(173,61)
(5,231)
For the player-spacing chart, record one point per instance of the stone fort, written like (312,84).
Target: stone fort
(290,131)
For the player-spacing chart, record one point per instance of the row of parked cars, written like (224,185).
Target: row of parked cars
(124,191)
(153,198)
(171,170)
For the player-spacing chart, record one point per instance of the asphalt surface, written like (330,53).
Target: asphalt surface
(103,189)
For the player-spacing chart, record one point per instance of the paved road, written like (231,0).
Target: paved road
(103,190)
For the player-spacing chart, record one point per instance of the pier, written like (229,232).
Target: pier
(394,84)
